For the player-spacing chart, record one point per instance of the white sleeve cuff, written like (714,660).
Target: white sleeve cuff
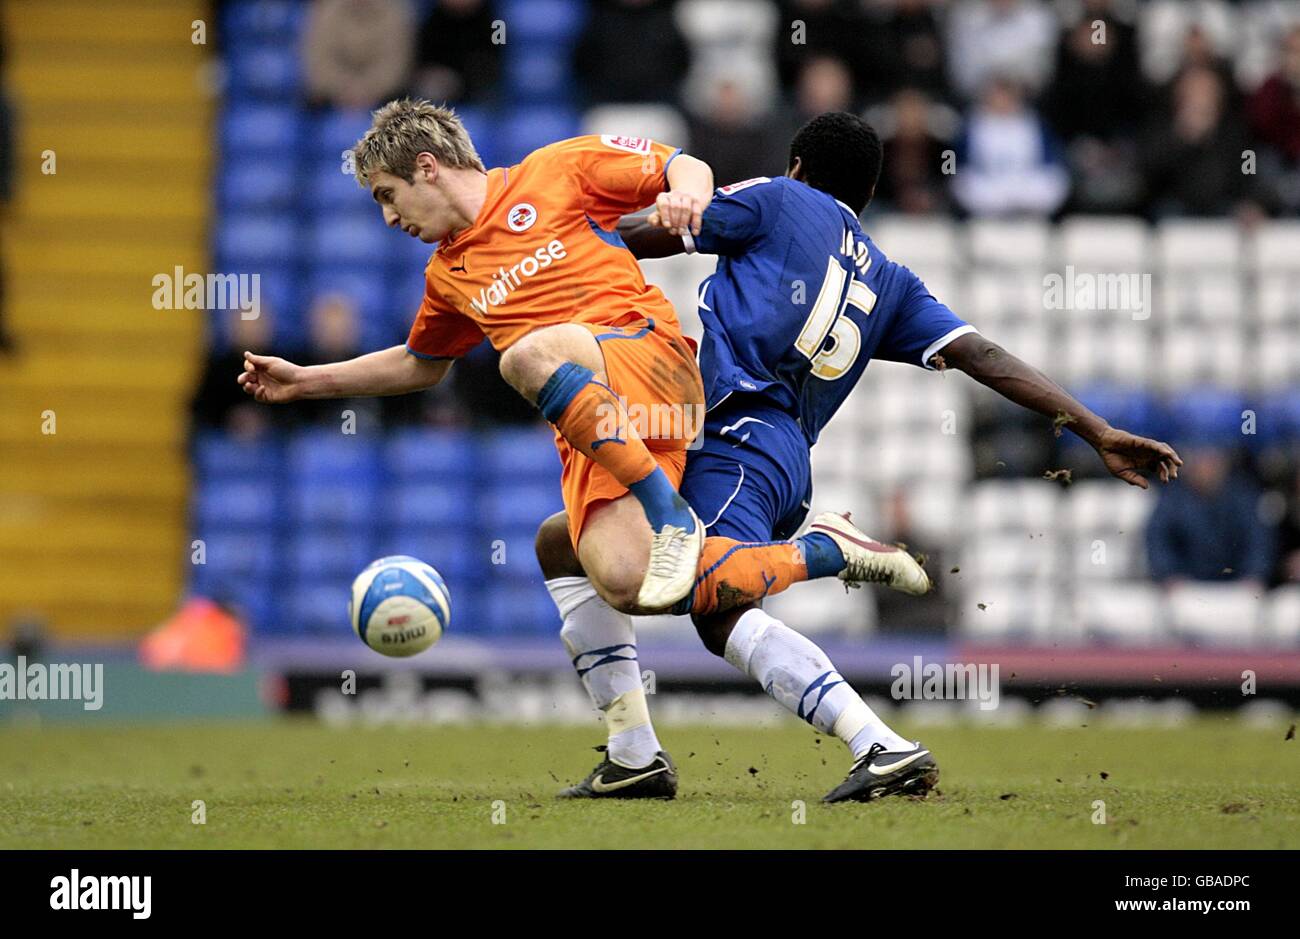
(943,341)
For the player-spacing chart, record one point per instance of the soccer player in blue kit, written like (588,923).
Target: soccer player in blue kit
(800,302)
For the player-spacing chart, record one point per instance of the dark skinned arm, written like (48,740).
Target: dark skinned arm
(1126,456)
(648,241)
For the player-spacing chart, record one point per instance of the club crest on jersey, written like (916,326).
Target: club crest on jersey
(630,144)
(521,217)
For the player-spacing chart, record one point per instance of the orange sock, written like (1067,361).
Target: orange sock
(596,423)
(733,573)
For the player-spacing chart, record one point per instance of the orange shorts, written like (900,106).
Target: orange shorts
(656,376)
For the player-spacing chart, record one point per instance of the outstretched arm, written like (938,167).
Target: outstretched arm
(1126,456)
(391,371)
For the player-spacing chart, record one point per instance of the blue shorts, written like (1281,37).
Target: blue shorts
(752,478)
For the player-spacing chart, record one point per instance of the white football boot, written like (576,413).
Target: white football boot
(867,561)
(670,572)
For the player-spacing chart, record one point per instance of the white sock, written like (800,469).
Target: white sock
(796,672)
(602,646)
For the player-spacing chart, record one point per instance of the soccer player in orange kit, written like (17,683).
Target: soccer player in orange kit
(529,257)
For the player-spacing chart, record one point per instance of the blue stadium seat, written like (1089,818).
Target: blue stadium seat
(1277,417)
(232,555)
(333,131)
(507,552)
(521,454)
(367,287)
(343,503)
(316,608)
(224,504)
(481,124)
(217,455)
(328,454)
(539,72)
(1207,415)
(264,20)
(518,504)
(448,504)
(262,70)
(424,455)
(355,237)
(557,22)
(529,128)
(330,189)
(453,550)
(256,240)
(257,183)
(519,609)
(270,129)
(331,556)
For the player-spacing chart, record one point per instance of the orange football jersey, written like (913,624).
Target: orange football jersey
(544,249)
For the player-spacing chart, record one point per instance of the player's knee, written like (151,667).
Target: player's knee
(620,588)
(520,366)
(555,554)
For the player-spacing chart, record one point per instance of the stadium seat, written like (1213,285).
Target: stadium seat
(316,608)
(820,608)
(1213,354)
(1123,614)
(523,453)
(329,189)
(1198,297)
(1009,244)
(539,72)
(262,70)
(528,128)
(1115,244)
(1277,299)
(1275,360)
(330,455)
(1207,414)
(328,557)
(1024,557)
(1186,245)
(1275,247)
(553,22)
(231,555)
(264,20)
(1004,611)
(522,608)
(430,455)
(224,504)
(333,131)
(353,238)
(333,503)
(1281,620)
(257,183)
(453,549)
(519,504)
(924,245)
(1214,615)
(252,241)
(268,129)
(1020,506)
(998,300)
(217,455)
(446,503)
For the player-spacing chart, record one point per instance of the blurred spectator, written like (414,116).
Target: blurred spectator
(910,46)
(733,137)
(988,38)
(1008,161)
(219,402)
(484,397)
(1274,114)
(631,51)
(1192,159)
(912,179)
(1092,105)
(357,53)
(333,335)
(824,84)
(456,58)
(1206,525)
(1288,540)
(899,613)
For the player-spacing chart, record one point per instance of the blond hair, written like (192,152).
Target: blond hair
(403,129)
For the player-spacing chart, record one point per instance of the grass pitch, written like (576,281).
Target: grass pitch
(1212,783)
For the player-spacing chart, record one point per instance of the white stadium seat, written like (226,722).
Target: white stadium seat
(1030,506)
(1016,556)
(1122,613)
(1277,298)
(1007,611)
(656,121)
(1275,362)
(1009,244)
(1282,617)
(1211,614)
(924,245)
(1200,245)
(1275,246)
(1118,243)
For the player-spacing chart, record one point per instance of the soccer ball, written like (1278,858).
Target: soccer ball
(399,606)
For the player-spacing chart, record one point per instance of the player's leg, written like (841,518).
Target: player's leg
(758,488)
(602,647)
(563,371)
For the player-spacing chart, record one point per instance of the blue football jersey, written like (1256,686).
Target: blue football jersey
(802,300)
